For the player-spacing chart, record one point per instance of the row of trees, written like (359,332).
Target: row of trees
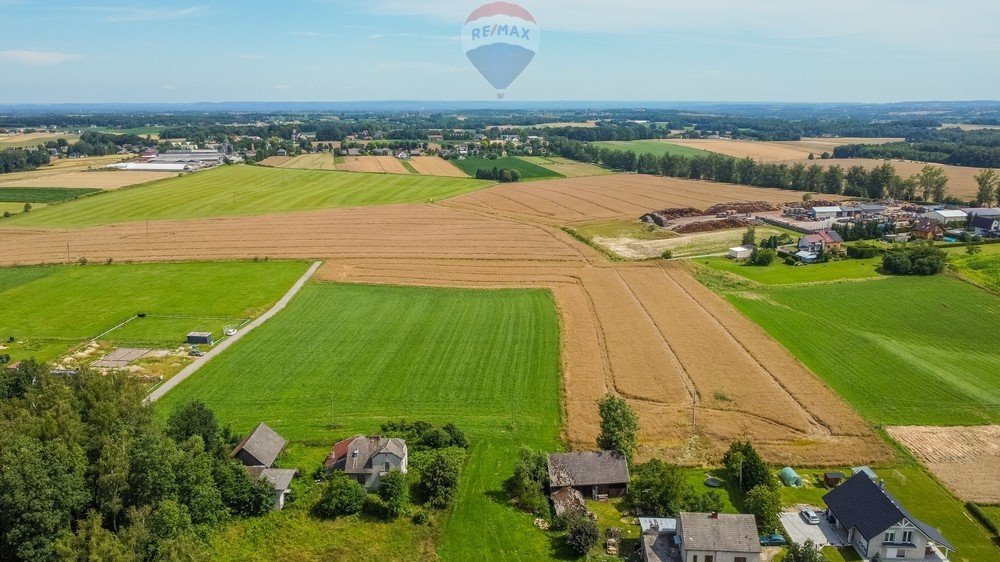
(503,175)
(989,188)
(882,181)
(88,472)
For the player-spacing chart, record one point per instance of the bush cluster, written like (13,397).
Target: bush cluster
(921,260)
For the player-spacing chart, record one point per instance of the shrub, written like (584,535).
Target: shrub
(922,260)
(439,480)
(862,251)
(805,552)
(581,534)
(667,254)
(341,496)
(790,260)
(530,476)
(762,256)
(395,492)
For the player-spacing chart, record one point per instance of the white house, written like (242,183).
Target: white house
(875,523)
(740,252)
(986,226)
(367,459)
(718,537)
(947,216)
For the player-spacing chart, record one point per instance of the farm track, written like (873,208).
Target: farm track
(648,331)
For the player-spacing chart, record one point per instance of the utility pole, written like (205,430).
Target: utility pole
(67,251)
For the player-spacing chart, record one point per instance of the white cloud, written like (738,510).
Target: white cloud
(119,14)
(376,36)
(282,87)
(251,56)
(167,87)
(37,58)
(305,34)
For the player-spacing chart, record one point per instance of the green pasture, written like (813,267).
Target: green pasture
(527,170)
(654,147)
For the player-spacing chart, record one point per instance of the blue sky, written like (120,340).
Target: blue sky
(338,50)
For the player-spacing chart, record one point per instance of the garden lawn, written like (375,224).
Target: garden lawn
(655,147)
(245,190)
(49,309)
(778,273)
(527,170)
(342,359)
(903,351)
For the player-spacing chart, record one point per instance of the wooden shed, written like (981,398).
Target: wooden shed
(196,338)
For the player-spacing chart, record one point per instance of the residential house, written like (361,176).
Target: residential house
(876,524)
(367,459)
(987,227)
(927,229)
(947,216)
(660,542)
(595,474)
(260,448)
(822,241)
(353,152)
(402,155)
(718,537)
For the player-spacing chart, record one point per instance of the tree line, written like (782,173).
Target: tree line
(948,146)
(857,181)
(87,471)
(22,159)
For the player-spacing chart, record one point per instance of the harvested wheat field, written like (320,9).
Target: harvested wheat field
(773,151)
(566,167)
(373,164)
(91,179)
(318,161)
(276,161)
(578,200)
(965,459)
(961,179)
(647,331)
(62,166)
(434,166)
(23,140)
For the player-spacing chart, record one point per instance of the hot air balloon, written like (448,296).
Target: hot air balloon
(501,40)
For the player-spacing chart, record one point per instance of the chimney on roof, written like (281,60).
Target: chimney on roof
(715,515)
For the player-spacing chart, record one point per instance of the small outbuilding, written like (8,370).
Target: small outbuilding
(740,252)
(832,479)
(260,448)
(199,338)
(595,474)
(280,479)
(790,477)
(566,501)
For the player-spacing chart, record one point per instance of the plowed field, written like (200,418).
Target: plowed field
(965,459)
(697,372)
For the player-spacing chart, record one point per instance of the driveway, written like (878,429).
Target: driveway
(822,534)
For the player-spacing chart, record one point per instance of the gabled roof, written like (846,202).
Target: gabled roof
(723,532)
(831,237)
(354,455)
(263,444)
(983,221)
(280,478)
(588,468)
(860,502)
(953,213)
(924,225)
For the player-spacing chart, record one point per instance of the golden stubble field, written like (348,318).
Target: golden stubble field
(775,151)
(965,459)
(698,373)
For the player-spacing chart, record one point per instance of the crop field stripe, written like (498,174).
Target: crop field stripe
(42,194)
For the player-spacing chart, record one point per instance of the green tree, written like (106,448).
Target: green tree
(744,463)
(764,502)
(195,485)
(27,207)
(989,183)
(92,542)
(581,534)
(805,552)
(749,236)
(933,183)
(194,418)
(395,492)
(14,383)
(762,257)
(833,180)
(526,484)
(341,496)
(439,480)
(619,426)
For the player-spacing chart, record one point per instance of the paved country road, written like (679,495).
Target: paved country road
(224,344)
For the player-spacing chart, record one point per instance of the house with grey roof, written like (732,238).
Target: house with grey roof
(280,479)
(876,523)
(260,448)
(660,541)
(718,537)
(595,474)
(367,459)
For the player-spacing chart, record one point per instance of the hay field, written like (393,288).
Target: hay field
(245,190)
(965,459)
(647,331)
(276,161)
(774,151)
(62,166)
(373,164)
(34,139)
(317,161)
(434,166)
(568,168)
(109,180)
(961,179)
(629,196)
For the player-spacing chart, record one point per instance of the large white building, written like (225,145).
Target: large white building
(947,216)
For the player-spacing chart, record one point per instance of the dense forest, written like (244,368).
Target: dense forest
(945,146)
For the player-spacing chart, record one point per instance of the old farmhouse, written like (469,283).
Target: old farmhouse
(257,452)
(595,474)
(367,459)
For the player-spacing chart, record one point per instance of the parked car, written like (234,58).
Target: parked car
(195,352)
(810,516)
(772,540)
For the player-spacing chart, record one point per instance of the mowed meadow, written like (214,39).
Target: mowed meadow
(342,359)
(241,190)
(903,351)
(50,309)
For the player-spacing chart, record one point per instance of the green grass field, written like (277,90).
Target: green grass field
(342,359)
(568,168)
(780,274)
(992,512)
(982,269)
(51,309)
(245,190)
(654,147)
(42,194)
(903,351)
(527,170)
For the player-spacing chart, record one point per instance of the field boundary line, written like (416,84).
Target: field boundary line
(200,362)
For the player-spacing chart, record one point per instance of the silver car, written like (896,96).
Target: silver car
(810,516)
